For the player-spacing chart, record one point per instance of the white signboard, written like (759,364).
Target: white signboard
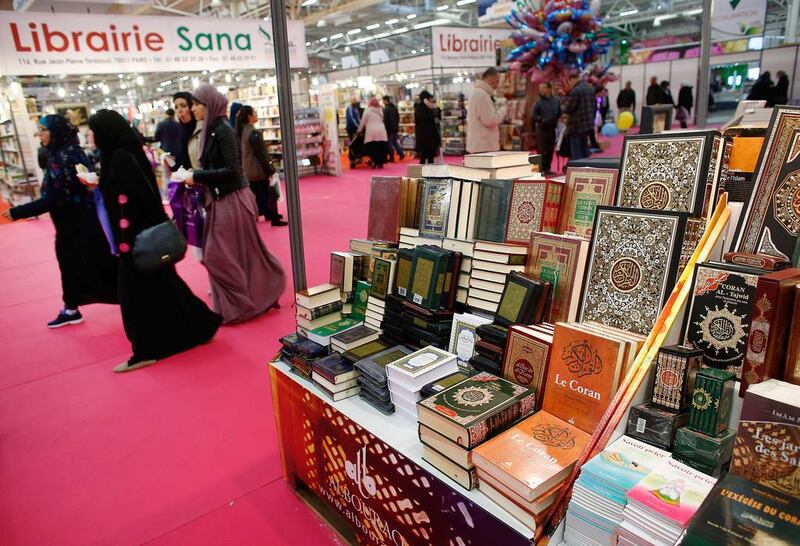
(466,47)
(47,43)
(733,19)
(330,144)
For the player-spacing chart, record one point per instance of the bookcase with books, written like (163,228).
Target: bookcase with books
(454,124)
(19,178)
(405,133)
(624,383)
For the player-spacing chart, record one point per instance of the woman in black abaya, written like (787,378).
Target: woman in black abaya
(161,315)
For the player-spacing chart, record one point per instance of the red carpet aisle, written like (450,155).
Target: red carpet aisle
(181,453)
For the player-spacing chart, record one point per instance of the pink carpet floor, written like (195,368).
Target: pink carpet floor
(184,452)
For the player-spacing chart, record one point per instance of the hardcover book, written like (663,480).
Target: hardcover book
(792,371)
(672,491)
(354,337)
(321,311)
(317,296)
(676,368)
(374,366)
(476,409)
(422,366)
(770,221)
(534,207)
(667,173)
(769,327)
(323,334)
(519,300)
(719,313)
(632,267)
(364,351)
(384,208)
(525,359)
(585,189)
(495,160)
(405,258)
(656,426)
(445,382)
(342,270)
(382,278)
(334,368)
(360,299)
(462,334)
(533,455)
(738,511)
(712,400)
(427,276)
(494,201)
(582,375)
(435,209)
(559,260)
(768,440)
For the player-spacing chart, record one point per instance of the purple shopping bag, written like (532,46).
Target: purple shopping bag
(194,215)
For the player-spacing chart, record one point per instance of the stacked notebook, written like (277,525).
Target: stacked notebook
(335,376)
(373,379)
(457,419)
(599,494)
(300,353)
(661,505)
(408,375)
(318,306)
(491,264)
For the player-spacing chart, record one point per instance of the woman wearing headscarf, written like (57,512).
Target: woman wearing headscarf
(246,280)
(87,266)
(257,167)
(183,108)
(375,135)
(160,314)
(426,132)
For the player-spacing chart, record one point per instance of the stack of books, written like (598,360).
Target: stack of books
(300,353)
(373,379)
(408,375)
(491,264)
(335,376)
(489,348)
(598,496)
(375,313)
(457,419)
(523,468)
(422,327)
(432,279)
(318,306)
(342,275)
(662,503)
(392,324)
(410,238)
(383,273)
(353,338)
(463,336)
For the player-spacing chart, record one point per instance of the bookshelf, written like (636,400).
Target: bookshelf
(19,177)
(454,125)
(406,130)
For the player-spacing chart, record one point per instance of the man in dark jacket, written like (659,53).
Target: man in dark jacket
(546,112)
(655,94)
(685,104)
(168,133)
(391,119)
(626,100)
(579,106)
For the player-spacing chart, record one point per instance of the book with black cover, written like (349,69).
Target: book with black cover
(493,333)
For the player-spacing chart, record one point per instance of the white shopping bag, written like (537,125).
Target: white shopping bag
(275,182)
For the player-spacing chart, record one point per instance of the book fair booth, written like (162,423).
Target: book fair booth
(611,356)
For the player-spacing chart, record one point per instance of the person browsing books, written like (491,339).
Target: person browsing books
(483,118)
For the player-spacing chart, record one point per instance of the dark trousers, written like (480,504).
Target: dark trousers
(426,155)
(545,143)
(394,146)
(579,146)
(265,199)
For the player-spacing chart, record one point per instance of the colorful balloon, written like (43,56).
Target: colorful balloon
(625,121)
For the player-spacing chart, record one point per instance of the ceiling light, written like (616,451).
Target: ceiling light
(626,13)
(228,78)
(392,21)
(442,8)
(321,23)
(354,31)
(414,15)
(413,51)
(253,78)
(139,80)
(308,44)
(307,3)
(337,36)
(691,12)
(322,40)
(120,76)
(61,92)
(373,27)
(195,82)
(123,86)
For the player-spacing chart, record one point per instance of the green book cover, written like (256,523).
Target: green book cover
(427,277)
(517,302)
(335,327)
(402,277)
(359,309)
(494,201)
(381,278)
(478,399)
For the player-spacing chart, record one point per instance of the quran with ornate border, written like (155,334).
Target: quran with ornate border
(632,267)
(675,172)
(534,207)
(435,209)
(561,261)
(770,222)
(585,189)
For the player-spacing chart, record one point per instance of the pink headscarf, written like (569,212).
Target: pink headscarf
(373,102)
(216,107)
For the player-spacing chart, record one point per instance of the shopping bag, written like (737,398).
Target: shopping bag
(275,185)
(188,212)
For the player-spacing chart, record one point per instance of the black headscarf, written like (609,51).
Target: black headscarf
(112,133)
(62,155)
(187,130)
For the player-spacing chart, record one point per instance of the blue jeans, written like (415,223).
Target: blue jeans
(579,146)
(394,146)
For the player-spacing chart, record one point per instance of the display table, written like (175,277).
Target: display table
(368,468)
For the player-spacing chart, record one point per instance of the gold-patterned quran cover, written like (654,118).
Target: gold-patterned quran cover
(585,188)
(632,267)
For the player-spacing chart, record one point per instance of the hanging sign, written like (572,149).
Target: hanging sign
(47,43)
(466,47)
(732,19)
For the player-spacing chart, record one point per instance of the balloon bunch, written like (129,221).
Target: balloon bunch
(559,37)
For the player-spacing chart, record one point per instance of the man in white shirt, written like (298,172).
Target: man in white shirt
(483,118)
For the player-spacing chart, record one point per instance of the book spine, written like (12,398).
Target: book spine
(755,367)
(791,373)
(479,432)
(324,374)
(326,309)
(552,207)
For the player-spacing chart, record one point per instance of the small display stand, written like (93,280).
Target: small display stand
(364,469)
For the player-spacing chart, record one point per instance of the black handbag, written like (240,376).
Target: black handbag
(158,246)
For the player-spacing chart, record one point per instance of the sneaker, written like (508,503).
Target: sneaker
(65,319)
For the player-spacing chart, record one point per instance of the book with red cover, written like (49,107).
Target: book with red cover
(384,209)
(792,372)
(766,342)
(526,357)
(532,456)
(534,207)
(583,374)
